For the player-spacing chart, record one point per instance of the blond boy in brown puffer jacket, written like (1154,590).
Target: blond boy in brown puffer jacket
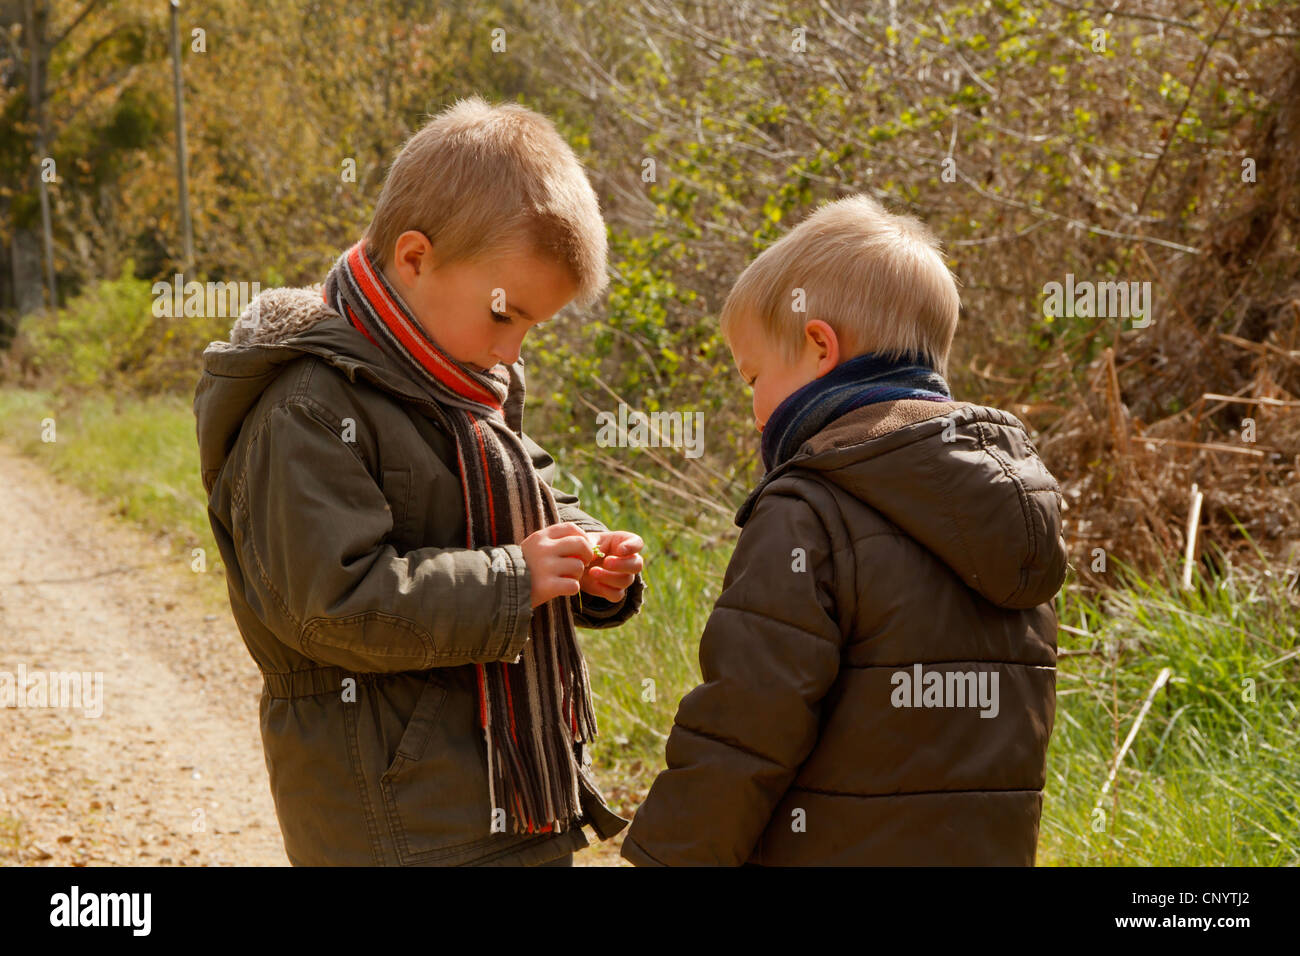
(879,670)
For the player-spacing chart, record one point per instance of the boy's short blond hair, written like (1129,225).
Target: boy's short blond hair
(877,278)
(479,179)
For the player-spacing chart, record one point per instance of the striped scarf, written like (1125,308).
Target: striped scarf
(862,380)
(535,712)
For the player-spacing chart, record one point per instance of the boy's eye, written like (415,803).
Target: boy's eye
(499,317)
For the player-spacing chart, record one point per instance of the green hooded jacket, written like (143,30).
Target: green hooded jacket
(336,503)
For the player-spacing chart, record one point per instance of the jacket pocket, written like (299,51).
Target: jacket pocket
(436,790)
(397,492)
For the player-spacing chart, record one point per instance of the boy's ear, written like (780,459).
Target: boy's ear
(412,254)
(826,342)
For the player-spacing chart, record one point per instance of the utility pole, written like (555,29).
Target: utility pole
(36,98)
(182,170)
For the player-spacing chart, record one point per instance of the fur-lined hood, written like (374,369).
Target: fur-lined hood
(279,327)
(277,314)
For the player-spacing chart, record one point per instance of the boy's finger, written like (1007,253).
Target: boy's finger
(612,579)
(571,568)
(608,593)
(631,564)
(564,529)
(576,547)
(625,543)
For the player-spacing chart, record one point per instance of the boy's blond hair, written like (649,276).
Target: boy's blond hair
(479,179)
(877,278)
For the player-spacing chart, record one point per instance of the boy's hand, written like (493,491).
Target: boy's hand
(613,561)
(556,557)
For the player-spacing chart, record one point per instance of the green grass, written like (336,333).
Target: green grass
(138,455)
(640,670)
(1211,779)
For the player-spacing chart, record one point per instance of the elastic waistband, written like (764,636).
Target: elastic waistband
(308,682)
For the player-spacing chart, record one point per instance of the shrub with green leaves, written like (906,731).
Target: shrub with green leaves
(109,338)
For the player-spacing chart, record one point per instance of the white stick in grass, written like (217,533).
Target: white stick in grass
(1193,525)
(1161,679)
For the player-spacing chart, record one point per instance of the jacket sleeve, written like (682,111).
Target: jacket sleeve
(769,654)
(594,612)
(309,526)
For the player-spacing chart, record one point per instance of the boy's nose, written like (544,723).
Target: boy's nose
(508,352)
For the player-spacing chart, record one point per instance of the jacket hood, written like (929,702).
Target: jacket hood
(963,480)
(280,326)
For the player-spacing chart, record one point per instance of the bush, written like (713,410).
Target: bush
(108,338)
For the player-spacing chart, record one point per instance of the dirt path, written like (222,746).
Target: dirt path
(82,591)
(172,771)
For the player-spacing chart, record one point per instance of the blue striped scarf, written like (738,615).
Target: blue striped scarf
(862,380)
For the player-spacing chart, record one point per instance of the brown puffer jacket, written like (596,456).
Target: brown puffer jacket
(880,668)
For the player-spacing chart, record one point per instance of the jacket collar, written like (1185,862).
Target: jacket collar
(856,428)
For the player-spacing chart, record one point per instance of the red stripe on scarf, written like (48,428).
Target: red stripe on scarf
(482,453)
(510,708)
(357,322)
(415,343)
(482,698)
(464,484)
